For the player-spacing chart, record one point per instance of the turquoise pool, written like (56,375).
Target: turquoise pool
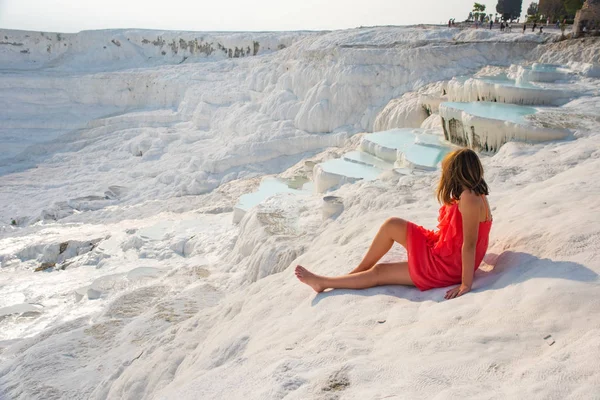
(361,157)
(425,156)
(546,67)
(394,138)
(501,111)
(350,169)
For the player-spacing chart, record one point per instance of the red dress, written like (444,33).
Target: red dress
(435,258)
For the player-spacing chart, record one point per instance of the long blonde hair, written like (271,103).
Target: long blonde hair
(460,169)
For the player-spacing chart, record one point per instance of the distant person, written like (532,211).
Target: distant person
(491,24)
(534,26)
(501,26)
(508,27)
(547,21)
(524,27)
(557,24)
(448,256)
(541,29)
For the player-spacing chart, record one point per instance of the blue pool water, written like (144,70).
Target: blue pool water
(425,156)
(350,169)
(501,111)
(394,138)
(428,139)
(546,67)
(419,148)
(361,157)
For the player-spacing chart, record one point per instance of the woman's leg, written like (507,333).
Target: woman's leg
(380,274)
(392,230)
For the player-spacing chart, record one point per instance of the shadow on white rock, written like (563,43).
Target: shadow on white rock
(23,310)
(116,282)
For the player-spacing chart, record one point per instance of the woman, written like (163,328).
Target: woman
(446,257)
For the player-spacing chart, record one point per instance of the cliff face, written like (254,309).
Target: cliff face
(115,49)
(588,18)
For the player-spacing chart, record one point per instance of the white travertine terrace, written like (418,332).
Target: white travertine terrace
(539,73)
(487,126)
(504,90)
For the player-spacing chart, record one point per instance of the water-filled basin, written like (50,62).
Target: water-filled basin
(361,157)
(423,156)
(500,111)
(350,169)
(545,67)
(393,139)
(428,139)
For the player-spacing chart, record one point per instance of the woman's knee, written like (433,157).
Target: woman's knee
(382,274)
(377,273)
(395,224)
(391,274)
(396,229)
(390,222)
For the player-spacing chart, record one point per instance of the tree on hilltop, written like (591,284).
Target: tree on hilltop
(533,12)
(533,9)
(559,9)
(478,11)
(572,6)
(509,9)
(553,9)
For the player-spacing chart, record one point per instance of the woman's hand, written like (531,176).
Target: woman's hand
(457,291)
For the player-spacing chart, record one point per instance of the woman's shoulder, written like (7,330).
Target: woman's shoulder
(469,199)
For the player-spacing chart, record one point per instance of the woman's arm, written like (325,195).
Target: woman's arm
(469,207)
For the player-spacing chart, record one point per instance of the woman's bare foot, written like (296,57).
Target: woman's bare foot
(312,280)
